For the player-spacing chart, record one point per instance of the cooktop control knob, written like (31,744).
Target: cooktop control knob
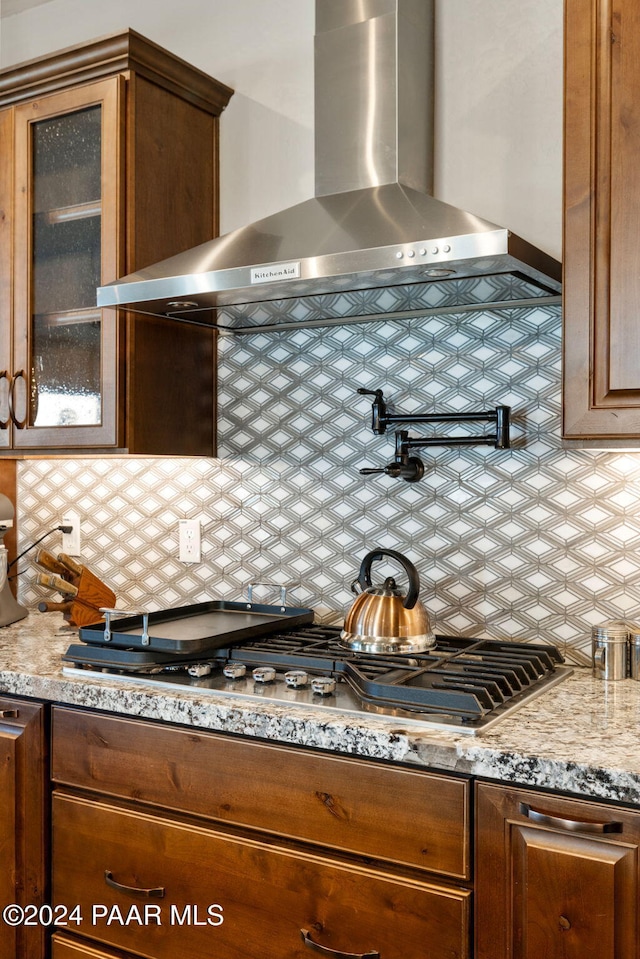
(264,674)
(296,678)
(199,669)
(234,670)
(323,685)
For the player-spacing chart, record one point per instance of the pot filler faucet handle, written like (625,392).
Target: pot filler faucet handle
(411,471)
(406,467)
(108,613)
(378,410)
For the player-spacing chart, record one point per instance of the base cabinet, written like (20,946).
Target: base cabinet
(224,847)
(183,843)
(23,824)
(555,878)
(165,888)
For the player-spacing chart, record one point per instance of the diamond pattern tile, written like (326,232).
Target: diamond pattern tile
(536,542)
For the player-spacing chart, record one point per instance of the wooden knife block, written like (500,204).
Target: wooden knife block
(93,592)
(86,593)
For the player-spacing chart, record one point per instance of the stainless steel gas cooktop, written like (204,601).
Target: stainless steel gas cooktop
(462,685)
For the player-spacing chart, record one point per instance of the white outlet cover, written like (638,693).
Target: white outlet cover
(189,549)
(71,541)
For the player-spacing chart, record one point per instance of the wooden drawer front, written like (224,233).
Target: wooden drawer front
(265,894)
(367,808)
(18,712)
(69,947)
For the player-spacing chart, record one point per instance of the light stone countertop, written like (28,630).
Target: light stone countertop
(582,736)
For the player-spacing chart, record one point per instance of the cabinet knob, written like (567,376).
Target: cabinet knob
(564,923)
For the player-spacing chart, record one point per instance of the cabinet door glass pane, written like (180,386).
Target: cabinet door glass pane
(66,269)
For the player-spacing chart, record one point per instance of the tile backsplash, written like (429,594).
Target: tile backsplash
(534,542)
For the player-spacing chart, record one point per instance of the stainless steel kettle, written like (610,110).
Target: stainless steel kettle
(383,619)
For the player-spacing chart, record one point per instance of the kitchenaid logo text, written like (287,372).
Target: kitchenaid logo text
(282,271)
(148,914)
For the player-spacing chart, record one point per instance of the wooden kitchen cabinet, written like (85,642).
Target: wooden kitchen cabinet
(601,284)
(277,851)
(555,878)
(332,801)
(23,824)
(108,162)
(233,895)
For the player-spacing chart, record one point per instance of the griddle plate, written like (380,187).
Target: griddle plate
(203,626)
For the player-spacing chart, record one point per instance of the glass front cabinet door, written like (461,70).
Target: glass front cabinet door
(61,389)
(108,163)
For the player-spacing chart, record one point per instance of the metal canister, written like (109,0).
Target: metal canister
(609,650)
(634,653)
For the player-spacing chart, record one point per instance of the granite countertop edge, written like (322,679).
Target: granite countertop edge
(580,737)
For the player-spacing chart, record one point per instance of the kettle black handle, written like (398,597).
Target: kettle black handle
(364,577)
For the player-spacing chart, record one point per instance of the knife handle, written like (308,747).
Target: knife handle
(48,561)
(70,564)
(47,607)
(57,582)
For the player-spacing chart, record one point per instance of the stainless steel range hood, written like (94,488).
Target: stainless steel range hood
(373,222)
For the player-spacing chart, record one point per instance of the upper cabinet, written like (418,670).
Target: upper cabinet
(602,218)
(108,162)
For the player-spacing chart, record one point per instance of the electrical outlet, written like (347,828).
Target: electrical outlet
(189,545)
(71,541)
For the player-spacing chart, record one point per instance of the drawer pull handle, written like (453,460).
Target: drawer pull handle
(157,893)
(19,424)
(308,941)
(4,375)
(572,825)
(9,714)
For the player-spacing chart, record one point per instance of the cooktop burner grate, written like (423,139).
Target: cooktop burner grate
(461,683)
(463,676)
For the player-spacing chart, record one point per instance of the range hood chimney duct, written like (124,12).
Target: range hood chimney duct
(373,222)
(374,104)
